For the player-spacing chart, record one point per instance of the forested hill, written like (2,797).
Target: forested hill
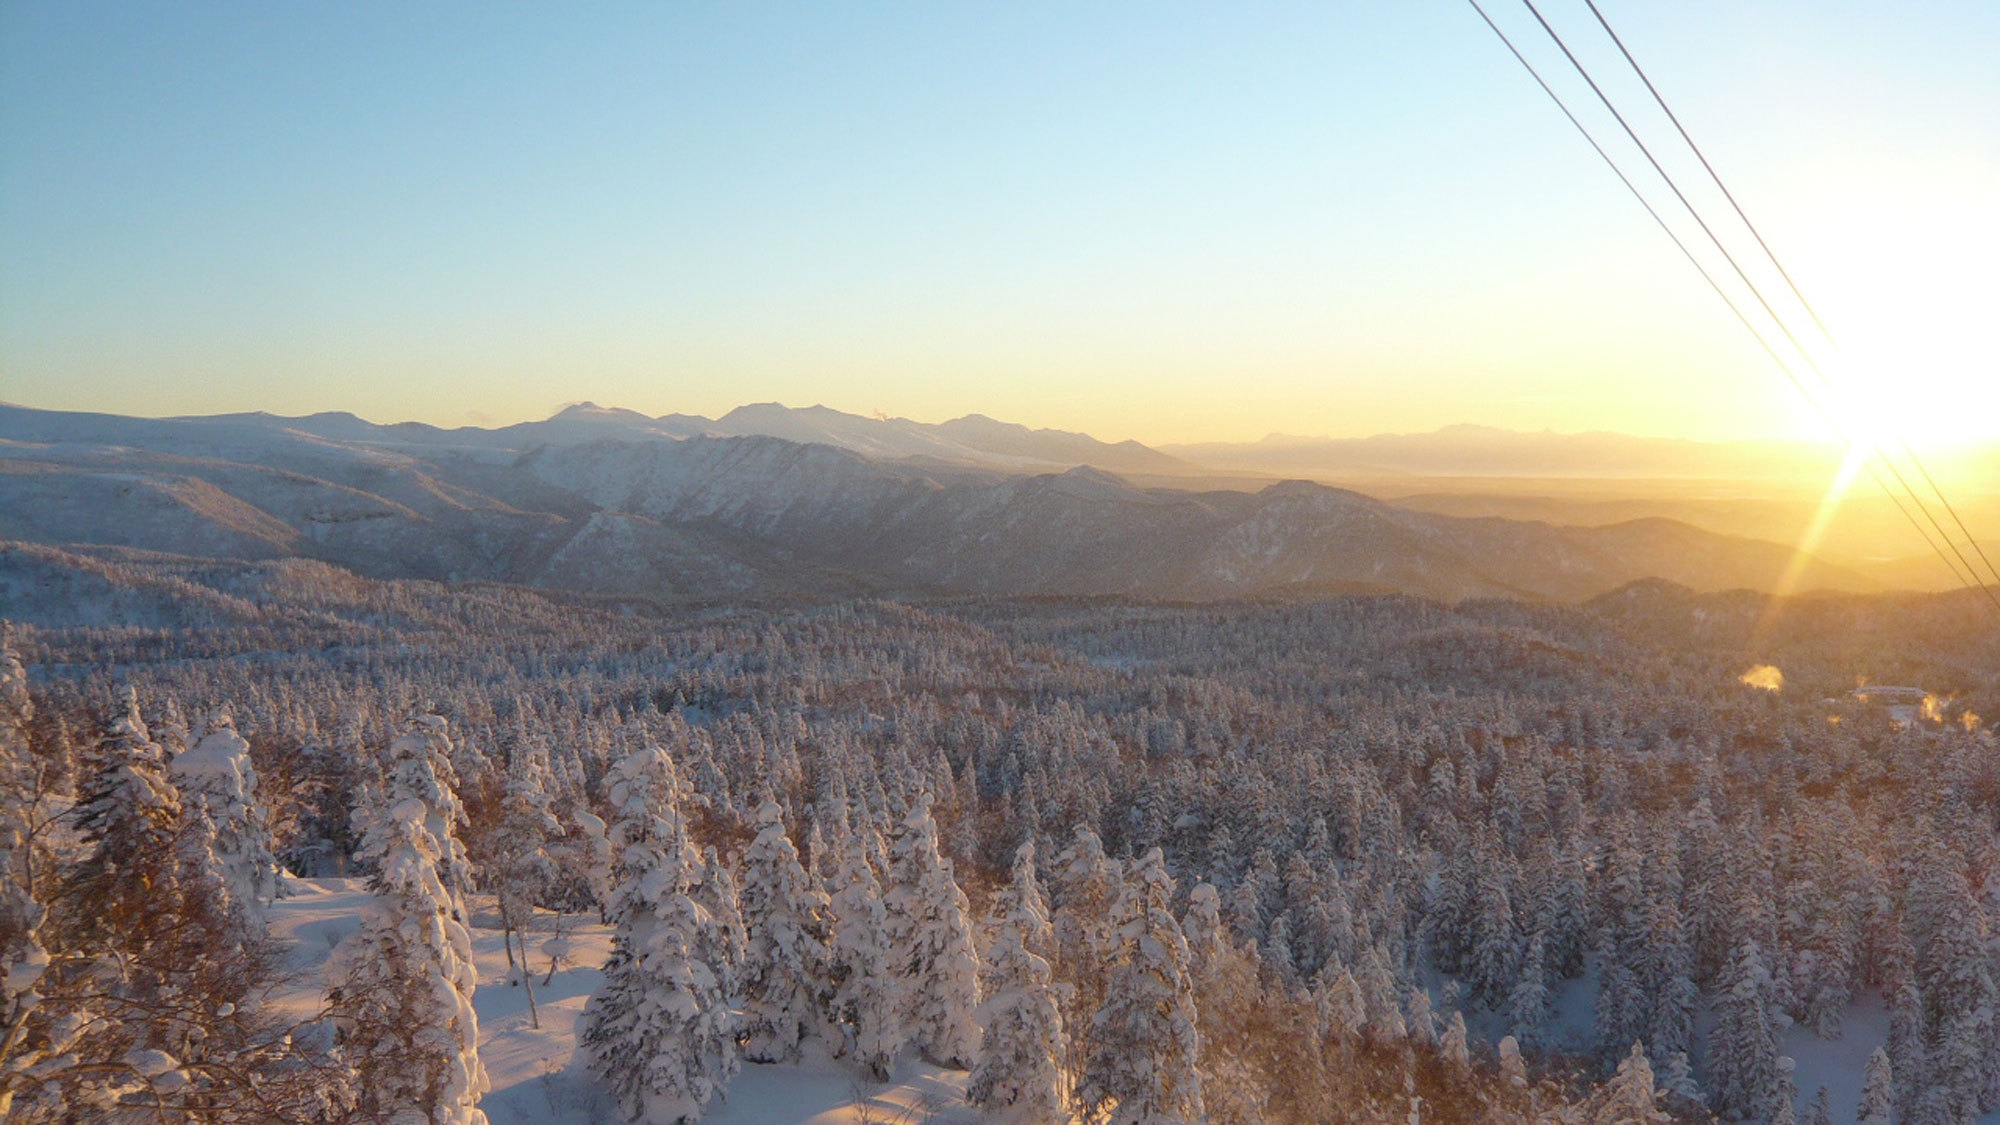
(606,502)
(1346,852)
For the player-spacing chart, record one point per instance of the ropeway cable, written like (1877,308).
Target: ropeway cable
(1734,308)
(1778,265)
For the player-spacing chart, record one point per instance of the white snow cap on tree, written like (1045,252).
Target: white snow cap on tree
(1878,1093)
(23,960)
(787,970)
(1148,1044)
(865,995)
(402,985)
(1512,1067)
(1021,1050)
(1632,1097)
(216,777)
(420,767)
(659,1031)
(931,953)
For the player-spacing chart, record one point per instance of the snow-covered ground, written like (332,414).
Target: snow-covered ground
(536,1078)
(1837,1064)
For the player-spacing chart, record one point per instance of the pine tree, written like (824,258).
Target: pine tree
(728,942)
(1906,1049)
(931,954)
(1878,1092)
(658,1032)
(1631,1097)
(1455,1047)
(23,959)
(788,973)
(1232,1013)
(519,868)
(128,815)
(1147,1056)
(1743,1051)
(1821,1110)
(217,782)
(1512,1067)
(1022,1047)
(401,987)
(1527,1007)
(1086,883)
(1495,961)
(865,1004)
(1621,1006)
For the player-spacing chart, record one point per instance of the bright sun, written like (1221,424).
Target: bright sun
(1911,304)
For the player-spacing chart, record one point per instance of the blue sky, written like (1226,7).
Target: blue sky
(1163,221)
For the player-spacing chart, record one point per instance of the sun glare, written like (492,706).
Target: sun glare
(1910,305)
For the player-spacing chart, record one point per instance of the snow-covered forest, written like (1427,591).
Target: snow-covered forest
(1341,860)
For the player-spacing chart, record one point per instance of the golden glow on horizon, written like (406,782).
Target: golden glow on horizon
(1851,465)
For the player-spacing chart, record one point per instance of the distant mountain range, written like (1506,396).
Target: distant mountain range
(1482,451)
(769,501)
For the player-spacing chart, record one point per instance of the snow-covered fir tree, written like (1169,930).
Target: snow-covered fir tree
(517,866)
(1022,1046)
(866,1001)
(1631,1097)
(787,969)
(1743,1050)
(1878,1092)
(931,952)
(23,958)
(401,988)
(659,1032)
(218,782)
(1145,1062)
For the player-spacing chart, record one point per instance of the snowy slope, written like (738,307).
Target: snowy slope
(536,1077)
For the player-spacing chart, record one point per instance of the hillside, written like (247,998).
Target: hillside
(613,503)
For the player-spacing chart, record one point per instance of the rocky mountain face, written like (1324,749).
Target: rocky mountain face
(677,508)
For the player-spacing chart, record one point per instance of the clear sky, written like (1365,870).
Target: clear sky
(1161,220)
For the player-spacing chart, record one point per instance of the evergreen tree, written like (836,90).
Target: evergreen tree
(1878,1092)
(865,997)
(931,954)
(518,867)
(1022,1047)
(658,1032)
(1146,1062)
(1821,1110)
(1527,1007)
(1086,882)
(1455,1046)
(1631,1097)
(401,987)
(218,783)
(1743,1051)
(1512,1067)
(128,815)
(788,973)
(23,959)
(1906,1049)
(716,892)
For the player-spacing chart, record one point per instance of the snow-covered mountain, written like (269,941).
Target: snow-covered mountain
(613,502)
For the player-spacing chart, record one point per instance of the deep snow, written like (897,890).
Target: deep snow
(536,1078)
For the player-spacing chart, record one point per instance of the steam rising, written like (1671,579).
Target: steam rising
(1764,676)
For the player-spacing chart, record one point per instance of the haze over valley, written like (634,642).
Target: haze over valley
(1348,563)
(769,501)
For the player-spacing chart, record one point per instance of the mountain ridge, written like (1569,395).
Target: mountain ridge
(607,503)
